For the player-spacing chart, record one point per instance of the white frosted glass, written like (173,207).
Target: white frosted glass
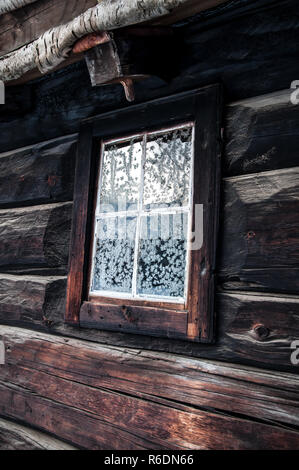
(121,176)
(114,254)
(167,169)
(162,255)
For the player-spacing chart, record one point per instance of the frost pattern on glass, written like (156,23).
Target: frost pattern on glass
(121,176)
(162,255)
(144,254)
(167,168)
(114,254)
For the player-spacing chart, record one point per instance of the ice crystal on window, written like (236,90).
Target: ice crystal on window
(167,168)
(162,255)
(120,175)
(145,253)
(114,255)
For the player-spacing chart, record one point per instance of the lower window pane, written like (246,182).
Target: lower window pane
(162,255)
(114,255)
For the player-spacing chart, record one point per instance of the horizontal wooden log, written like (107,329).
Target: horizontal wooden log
(237,337)
(258,328)
(260,237)
(69,423)
(32,300)
(35,237)
(143,400)
(261,134)
(15,436)
(251,328)
(39,174)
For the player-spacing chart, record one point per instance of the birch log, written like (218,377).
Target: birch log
(54,46)
(10,5)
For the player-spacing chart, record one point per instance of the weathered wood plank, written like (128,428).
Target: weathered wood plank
(27,24)
(39,174)
(81,225)
(191,8)
(188,380)
(206,191)
(134,319)
(258,328)
(85,429)
(260,238)
(32,300)
(261,134)
(15,436)
(35,237)
(44,375)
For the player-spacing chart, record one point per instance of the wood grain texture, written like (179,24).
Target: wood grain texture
(261,134)
(260,238)
(15,436)
(35,237)
(39,174)
(206,193)
(237,340)
(32,300)
(80,230)
(139,320)
(45,376)
(254,329)
(252,46)
(259,253)
(258,328)
(191,8)
(23,26)
(54,45)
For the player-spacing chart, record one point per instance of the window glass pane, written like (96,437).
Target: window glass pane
(157,168)
(121,170)
(162,255)
(167,168)
(114,254)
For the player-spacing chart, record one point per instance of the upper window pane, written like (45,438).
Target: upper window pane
(120,175)
(167,169)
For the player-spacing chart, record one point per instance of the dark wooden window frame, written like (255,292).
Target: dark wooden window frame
(194,321)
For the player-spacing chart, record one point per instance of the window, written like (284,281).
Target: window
(145,219)
(143,216)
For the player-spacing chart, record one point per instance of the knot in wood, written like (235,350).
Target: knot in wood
(261,331)
(250,235)
(128,314)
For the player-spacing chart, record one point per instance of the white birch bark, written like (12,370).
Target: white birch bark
(9,5)
(54,46)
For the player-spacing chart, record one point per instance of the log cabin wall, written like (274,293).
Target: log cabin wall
(242,391)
